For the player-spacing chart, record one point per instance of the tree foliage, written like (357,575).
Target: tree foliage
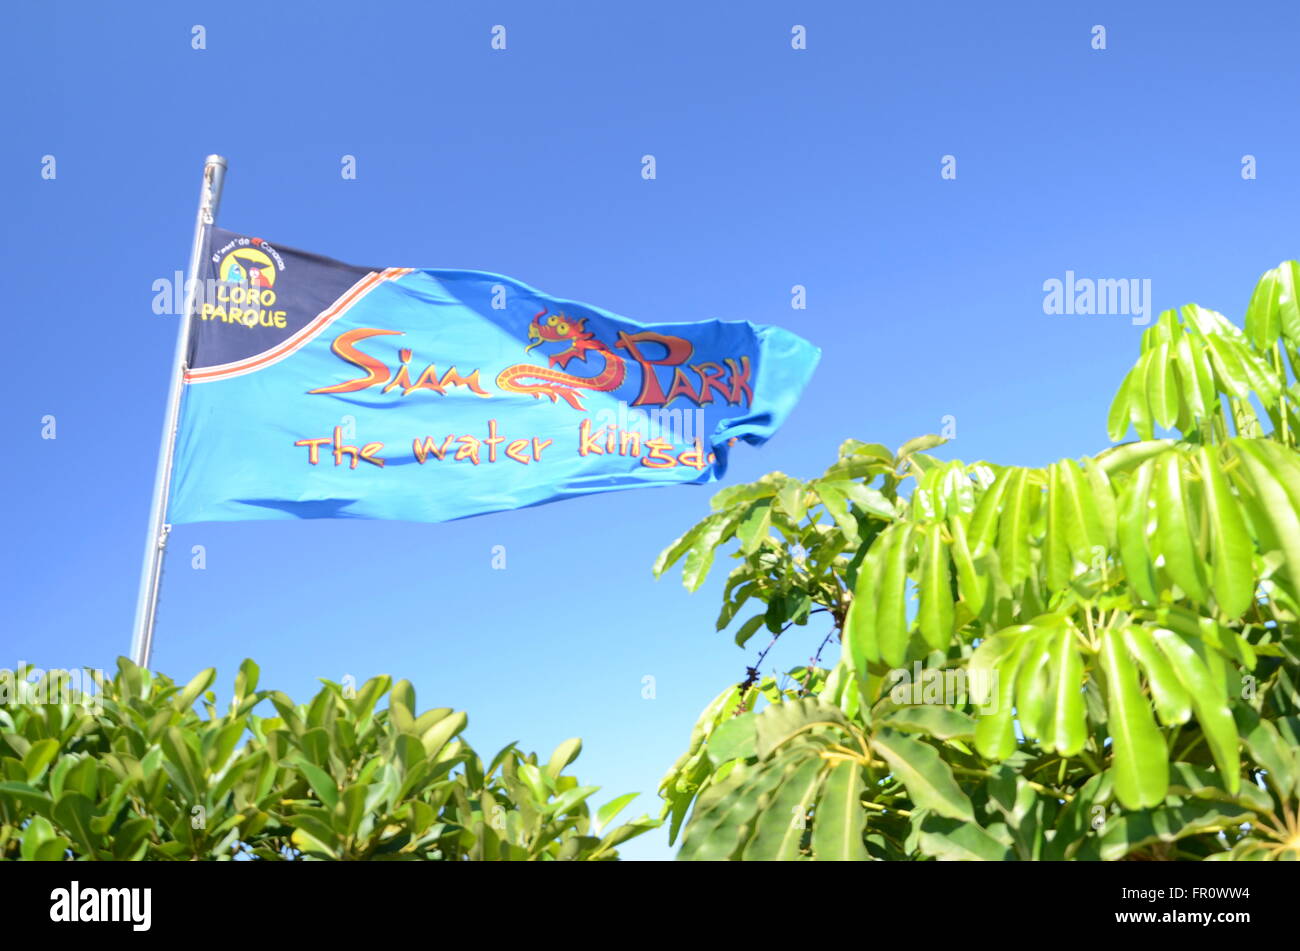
(132,770)
(1107,647)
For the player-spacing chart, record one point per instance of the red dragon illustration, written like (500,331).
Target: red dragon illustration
(558,385)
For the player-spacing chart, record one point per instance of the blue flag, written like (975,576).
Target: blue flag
(316,389)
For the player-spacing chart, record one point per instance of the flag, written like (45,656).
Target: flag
(315,389)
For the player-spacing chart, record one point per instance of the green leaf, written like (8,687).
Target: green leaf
(755,526)
(983,525)
(861,630)
(764,488)
(1126,833)
(1083,526)
(1172,702)
(1138,405)
(321,783)
(954,841)
(996,664)
(782,824)
(568,800)
(1162,387)
(350,809)
(726,811)
(1288,301)
(1118,460)
(1014,527)
(700,557)
(1196,382)
(972,583)
(1269,750)
(928,778)
(1068,729)
(1056,552)
(891,610)
(606,813)
(1208,700)
(1273,476)
(748,629)
(38,758)
(938,722)
(74,813)
(1103,497)
(1134,536)
(840,820)
(1228,367)
(130,840)
(437,736)
(1233,572)
(54,850)
(38,832)
(1117,420)
(837,504)
(869,500)
(936,609)
(129,679)
(187,769)
(564,754)
(247,678)
(858,460)
(29,796)
(1189,781)
(682,545)
(313,837)
(1033,684)
(201,682)
(1174,533)
(780,723)
(50,850)
(1263,319)
(790,498)
(1140,758)
(736,738)
(315,744)
(919,444)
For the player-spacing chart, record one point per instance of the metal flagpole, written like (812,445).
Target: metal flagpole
(146,609)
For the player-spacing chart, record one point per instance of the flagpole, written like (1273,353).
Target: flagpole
(146,610)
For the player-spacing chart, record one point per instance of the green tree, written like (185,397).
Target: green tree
(1108,648)
(133,771)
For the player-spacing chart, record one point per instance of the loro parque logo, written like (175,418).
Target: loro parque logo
(247,269)
(249,266)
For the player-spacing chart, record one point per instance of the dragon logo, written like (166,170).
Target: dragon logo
(558,384)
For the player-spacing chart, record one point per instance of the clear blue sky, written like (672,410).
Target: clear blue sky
(776,167)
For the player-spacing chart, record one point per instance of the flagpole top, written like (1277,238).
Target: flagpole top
(215,160)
